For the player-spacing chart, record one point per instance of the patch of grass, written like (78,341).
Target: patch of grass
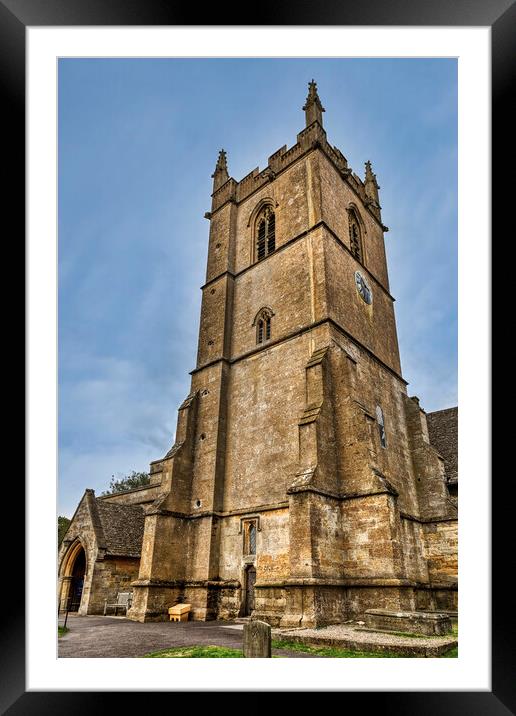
(62,630)
(198,652)
(195,652)
(223,652)
(331,651)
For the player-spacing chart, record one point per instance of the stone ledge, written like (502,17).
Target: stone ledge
(180,583)
(354,640)
(425,623)
(351,582)
(433,616)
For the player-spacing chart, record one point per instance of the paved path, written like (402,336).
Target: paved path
(97,636)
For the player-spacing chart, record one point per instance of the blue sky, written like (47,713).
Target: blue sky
(138,140)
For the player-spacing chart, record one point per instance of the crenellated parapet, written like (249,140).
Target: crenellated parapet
(313,136)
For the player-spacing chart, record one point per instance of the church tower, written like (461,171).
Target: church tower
(302,487)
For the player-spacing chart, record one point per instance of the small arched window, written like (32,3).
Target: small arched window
(265,233)
(355,236)
(263,325)
(250,528)
(251,537)
(381,426)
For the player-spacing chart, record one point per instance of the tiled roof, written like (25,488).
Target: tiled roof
(122,526)
(443,430)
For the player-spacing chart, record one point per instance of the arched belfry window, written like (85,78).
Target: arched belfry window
(355,236)
(381,426)
(263,324)
(265,233)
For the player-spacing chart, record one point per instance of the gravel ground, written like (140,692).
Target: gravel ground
(100,637)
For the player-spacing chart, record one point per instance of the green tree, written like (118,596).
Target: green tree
(129,482)
(62,525)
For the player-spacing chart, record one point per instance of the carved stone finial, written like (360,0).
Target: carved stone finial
(369,174)
(220,175)
(313,107)
(371,186)
(222,161)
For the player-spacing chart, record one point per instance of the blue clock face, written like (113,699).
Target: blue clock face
(362,288)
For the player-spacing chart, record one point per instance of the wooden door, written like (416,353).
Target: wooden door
(249,591)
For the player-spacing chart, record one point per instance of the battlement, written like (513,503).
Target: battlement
(312,137)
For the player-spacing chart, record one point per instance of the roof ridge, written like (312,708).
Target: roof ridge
(444,410)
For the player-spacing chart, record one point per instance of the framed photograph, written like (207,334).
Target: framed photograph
(84,70)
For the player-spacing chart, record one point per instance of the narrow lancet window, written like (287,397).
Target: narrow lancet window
(260,246)
(252,538)
(381,426)
(355,238)
(250,528)
(260,332)
(265,233)
(271,233)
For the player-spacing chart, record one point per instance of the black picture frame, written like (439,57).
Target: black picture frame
(500,16)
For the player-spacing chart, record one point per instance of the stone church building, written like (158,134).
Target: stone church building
(304,485)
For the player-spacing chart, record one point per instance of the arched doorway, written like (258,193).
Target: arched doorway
(73,578)
(250,579)
(77,582)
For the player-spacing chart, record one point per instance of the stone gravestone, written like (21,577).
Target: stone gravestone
(257,640)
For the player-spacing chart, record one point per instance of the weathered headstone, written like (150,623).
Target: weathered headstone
(257,640)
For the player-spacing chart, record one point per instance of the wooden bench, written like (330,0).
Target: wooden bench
(179,613)
(123,601)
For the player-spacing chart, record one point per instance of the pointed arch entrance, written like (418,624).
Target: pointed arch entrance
(73,573)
